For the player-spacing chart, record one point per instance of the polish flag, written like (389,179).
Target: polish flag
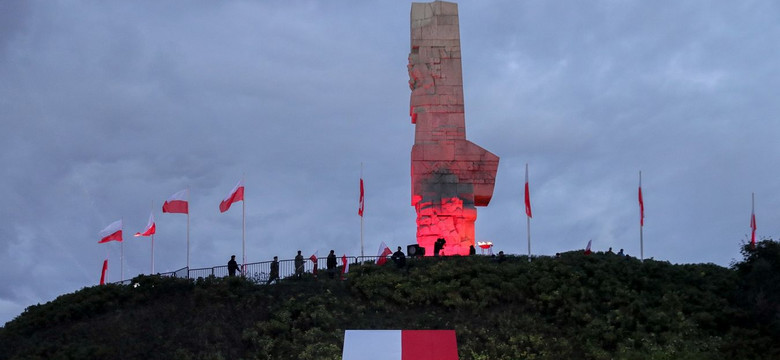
(150,227)
(360,209)
(400,345)
(527,194)
(112,232)
(587,248)
(103,273)
(178,203)
(313,259)
(344,265)
(382,254)
(236,195)
(641,206)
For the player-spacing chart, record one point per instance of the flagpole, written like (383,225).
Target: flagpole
(243,226)
(361,216)
(641,223)
(188,231)
(527,217)
(152,273)
(122,256)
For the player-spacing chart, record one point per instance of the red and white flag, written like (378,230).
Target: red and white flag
(587,248)
(400,345)
(150,227)
(344,265)
(641,204)
(236,195)
(382,254)
(313,259)
(103,273)
(362,203)
(112,232)
(527,194)
(178,203)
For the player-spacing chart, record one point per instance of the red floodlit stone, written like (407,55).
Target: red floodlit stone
(450,175)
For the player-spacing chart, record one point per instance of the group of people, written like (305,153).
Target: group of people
(398,257)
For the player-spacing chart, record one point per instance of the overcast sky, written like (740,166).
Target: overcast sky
(108,108)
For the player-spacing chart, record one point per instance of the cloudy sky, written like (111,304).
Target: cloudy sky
(108,108)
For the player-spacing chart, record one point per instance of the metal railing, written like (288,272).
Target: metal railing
(260,271)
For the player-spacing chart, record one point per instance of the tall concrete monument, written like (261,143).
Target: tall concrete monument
(450,175)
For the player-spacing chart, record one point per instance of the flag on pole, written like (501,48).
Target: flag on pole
(103,273)
(236,195)
(150,227)
(527,194)
(641,206)
(382,254)
(313,259)
(112,232)
(178,203)
(360,208)
(587,248)
(344,266)
(753,229)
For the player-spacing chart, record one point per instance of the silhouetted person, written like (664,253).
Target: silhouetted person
(331,264)
(472,250)
(438,246)
(399,258)
(274,275)
(232,266)
(501,257)
(610,251)
(298,265)
(621,252)
(557,255)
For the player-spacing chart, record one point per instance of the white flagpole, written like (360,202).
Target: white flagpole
(641,224)
(528,218)
(188,231)
(243,227)
(122,256)
(361,216)
(155,224)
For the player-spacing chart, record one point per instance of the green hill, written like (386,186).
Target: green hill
(600,306)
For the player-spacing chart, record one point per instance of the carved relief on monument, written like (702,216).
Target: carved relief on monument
(450,175)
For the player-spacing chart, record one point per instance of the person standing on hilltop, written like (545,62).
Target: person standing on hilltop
(331,264)
(298,265)
(232,266)
(274,275)
(399,258)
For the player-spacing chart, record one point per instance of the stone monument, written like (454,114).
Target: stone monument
(450,175)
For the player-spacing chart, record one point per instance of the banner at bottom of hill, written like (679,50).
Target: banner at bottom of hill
(400,345)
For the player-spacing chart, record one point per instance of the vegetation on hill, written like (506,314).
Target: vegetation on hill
(600,306)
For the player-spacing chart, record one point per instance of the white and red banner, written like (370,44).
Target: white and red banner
(362,200)
(641,206)
(382,254)
(400,345)
(587,248)
(150,229)
(112,232)
(178,203)
(344,265)
(527,194)
(103,273)
(236,195)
